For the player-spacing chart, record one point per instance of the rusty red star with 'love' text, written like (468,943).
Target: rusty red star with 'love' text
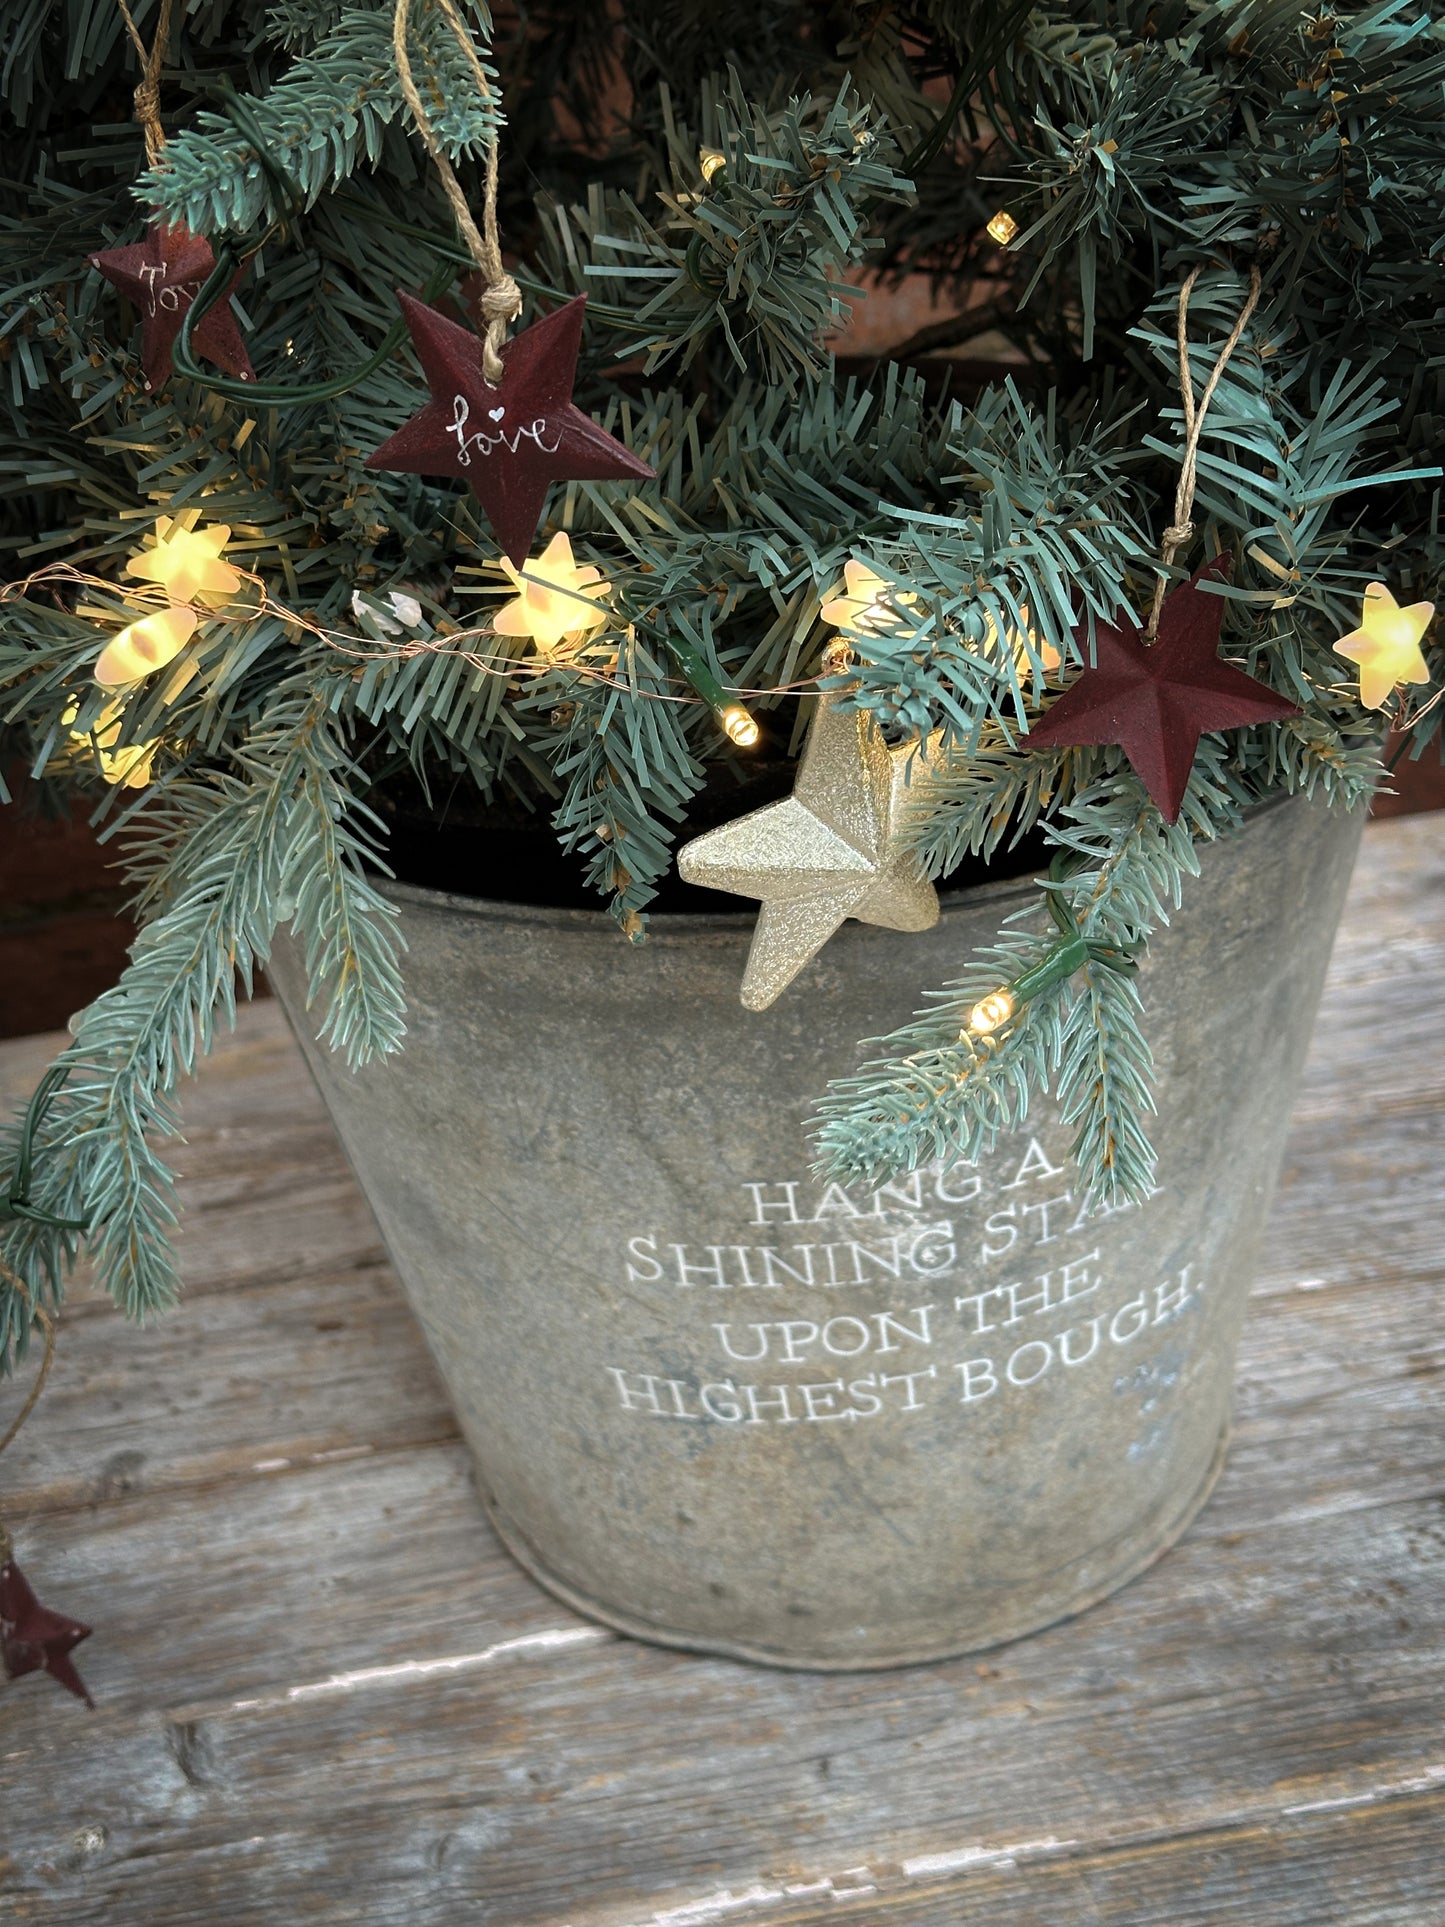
(512,441)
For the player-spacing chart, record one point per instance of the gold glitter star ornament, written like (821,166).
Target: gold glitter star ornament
(829,851)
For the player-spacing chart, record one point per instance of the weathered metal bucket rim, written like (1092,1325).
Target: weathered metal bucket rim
(674,925)
(936,1654)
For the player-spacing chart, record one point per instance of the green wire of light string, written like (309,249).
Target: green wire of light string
(183,358)
(737,721)
(15,1205)
(1070,952)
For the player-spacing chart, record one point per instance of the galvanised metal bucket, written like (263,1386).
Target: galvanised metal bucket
(720,1406)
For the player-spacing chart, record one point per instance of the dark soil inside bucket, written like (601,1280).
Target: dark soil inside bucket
(453,840)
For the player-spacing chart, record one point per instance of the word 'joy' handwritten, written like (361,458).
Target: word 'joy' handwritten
(178,295)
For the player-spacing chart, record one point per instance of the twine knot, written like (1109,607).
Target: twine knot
(500,301)
(1180,531)
(147,96)
(499,304)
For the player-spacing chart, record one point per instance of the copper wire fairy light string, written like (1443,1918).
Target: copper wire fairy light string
(501,298)
(355,647)
(838,654)
(1181,529)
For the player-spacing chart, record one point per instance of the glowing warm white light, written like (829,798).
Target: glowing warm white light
(187,563)
(863,602)
(1387,644)
(1002,228)
(741,726)
(145,645)
(990,1012)
(129,767)
(712,161)
(559,605)
(1020,641)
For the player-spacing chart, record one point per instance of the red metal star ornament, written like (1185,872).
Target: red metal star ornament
(162,275)
(33,1639)
(1155,700)
(509,442)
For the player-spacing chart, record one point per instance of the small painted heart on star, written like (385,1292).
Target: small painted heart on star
(496,414)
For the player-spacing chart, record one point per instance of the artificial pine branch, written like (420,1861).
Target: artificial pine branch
(271,157)
(750,257)
(940,1091)
(1129,144)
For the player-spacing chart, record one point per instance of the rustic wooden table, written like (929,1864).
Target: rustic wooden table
(325,1694)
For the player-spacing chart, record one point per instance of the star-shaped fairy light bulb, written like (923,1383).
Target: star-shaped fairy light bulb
(1387,644)
(863,603)
(1155,700)
(187,562)
(145,645)
(869,604)
(162,275)
(127,765)
(1044,660)
(830,850)
(33,1639)
(511,442)
(558,600)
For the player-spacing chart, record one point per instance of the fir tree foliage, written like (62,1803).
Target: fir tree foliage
(707,177)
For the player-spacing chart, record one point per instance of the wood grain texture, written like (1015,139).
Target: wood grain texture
(326,1695)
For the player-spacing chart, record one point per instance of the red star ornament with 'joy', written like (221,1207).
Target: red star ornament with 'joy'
(162,275)
(512,441)
(1155,700)
(33,1639)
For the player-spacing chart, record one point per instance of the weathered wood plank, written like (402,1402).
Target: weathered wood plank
(326,1694)
(234,1385)
(1376,1865)
(1367,1057)
(556,1773)
(555,1779)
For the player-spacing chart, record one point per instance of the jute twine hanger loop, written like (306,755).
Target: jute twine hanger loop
(147,96)
(47,1325)
(501,298)
(1180,531)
